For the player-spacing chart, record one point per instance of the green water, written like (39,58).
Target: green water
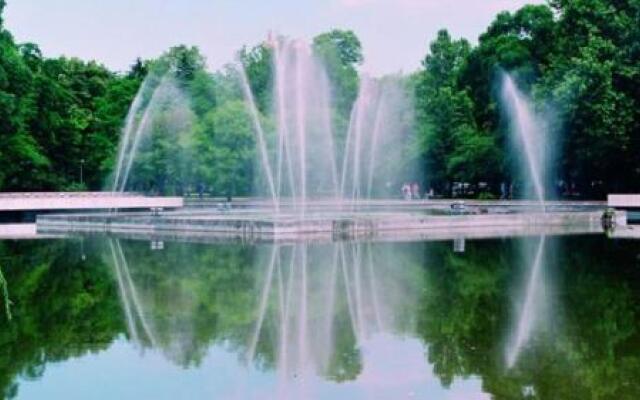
(123,319)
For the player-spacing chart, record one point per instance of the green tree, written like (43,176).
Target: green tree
(452,145)
(519,43)
(592,82)
(258,65)
(341,53)
(226,149)
(22,161)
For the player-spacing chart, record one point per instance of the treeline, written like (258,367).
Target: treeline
(580,59)
(61,119)
(57,116)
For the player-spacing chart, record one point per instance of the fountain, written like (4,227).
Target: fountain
(157,94)
(306,165)
(261,143)
(528,134)
(376,124)
(315,178)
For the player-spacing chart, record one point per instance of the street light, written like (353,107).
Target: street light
(81,171)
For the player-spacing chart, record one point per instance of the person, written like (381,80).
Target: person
(200,189)
(406,191)
(431,193)
(415,190)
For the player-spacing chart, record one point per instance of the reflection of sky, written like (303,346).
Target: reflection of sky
(393,368)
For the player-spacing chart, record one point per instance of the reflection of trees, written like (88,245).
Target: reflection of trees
(194,296)
(463,296)
(184,298)
(5,295)
(466,312)
(62,308)
(188,297)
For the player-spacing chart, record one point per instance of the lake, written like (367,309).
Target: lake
(552,317)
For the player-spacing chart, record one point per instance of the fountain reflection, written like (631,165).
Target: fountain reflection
(367,320)
(532,302)
(315,306)
(319,299)
(129,296)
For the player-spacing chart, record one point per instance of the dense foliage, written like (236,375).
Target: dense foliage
(580,60)
(61,118)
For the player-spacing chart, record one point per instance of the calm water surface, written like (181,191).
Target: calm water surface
(521,318)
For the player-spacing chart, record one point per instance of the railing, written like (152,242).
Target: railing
(40,195)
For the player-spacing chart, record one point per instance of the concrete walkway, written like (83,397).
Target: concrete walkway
(395,204)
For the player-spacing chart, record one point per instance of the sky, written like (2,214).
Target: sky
(395,34)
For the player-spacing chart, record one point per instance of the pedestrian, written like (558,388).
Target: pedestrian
(406,191)
(415,190)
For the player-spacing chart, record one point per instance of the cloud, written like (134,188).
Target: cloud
(356,3)
(406,4)
(425,4)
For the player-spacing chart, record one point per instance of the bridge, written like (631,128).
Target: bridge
(624,200)
(54,201)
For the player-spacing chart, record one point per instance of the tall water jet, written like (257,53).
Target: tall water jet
(160,101)
(380,129)
(305,161)
(529,133)
(124,150)
(260,135)
(351,166)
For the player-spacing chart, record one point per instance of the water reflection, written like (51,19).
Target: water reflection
(319,305)
(344,320)
(129,296)
(531,302)
(316,308)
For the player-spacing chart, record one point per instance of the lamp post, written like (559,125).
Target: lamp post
(81,171)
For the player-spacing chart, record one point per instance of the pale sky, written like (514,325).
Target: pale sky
(395,34)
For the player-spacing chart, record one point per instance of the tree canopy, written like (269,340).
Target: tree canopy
(61,118)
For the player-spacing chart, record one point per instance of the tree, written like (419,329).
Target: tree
(22,162)
(520,43)
(447,129)
(593,83)
(341,53)
(258,65)
(226,149)
(3,4)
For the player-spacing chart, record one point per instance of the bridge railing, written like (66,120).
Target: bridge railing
(14,195)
